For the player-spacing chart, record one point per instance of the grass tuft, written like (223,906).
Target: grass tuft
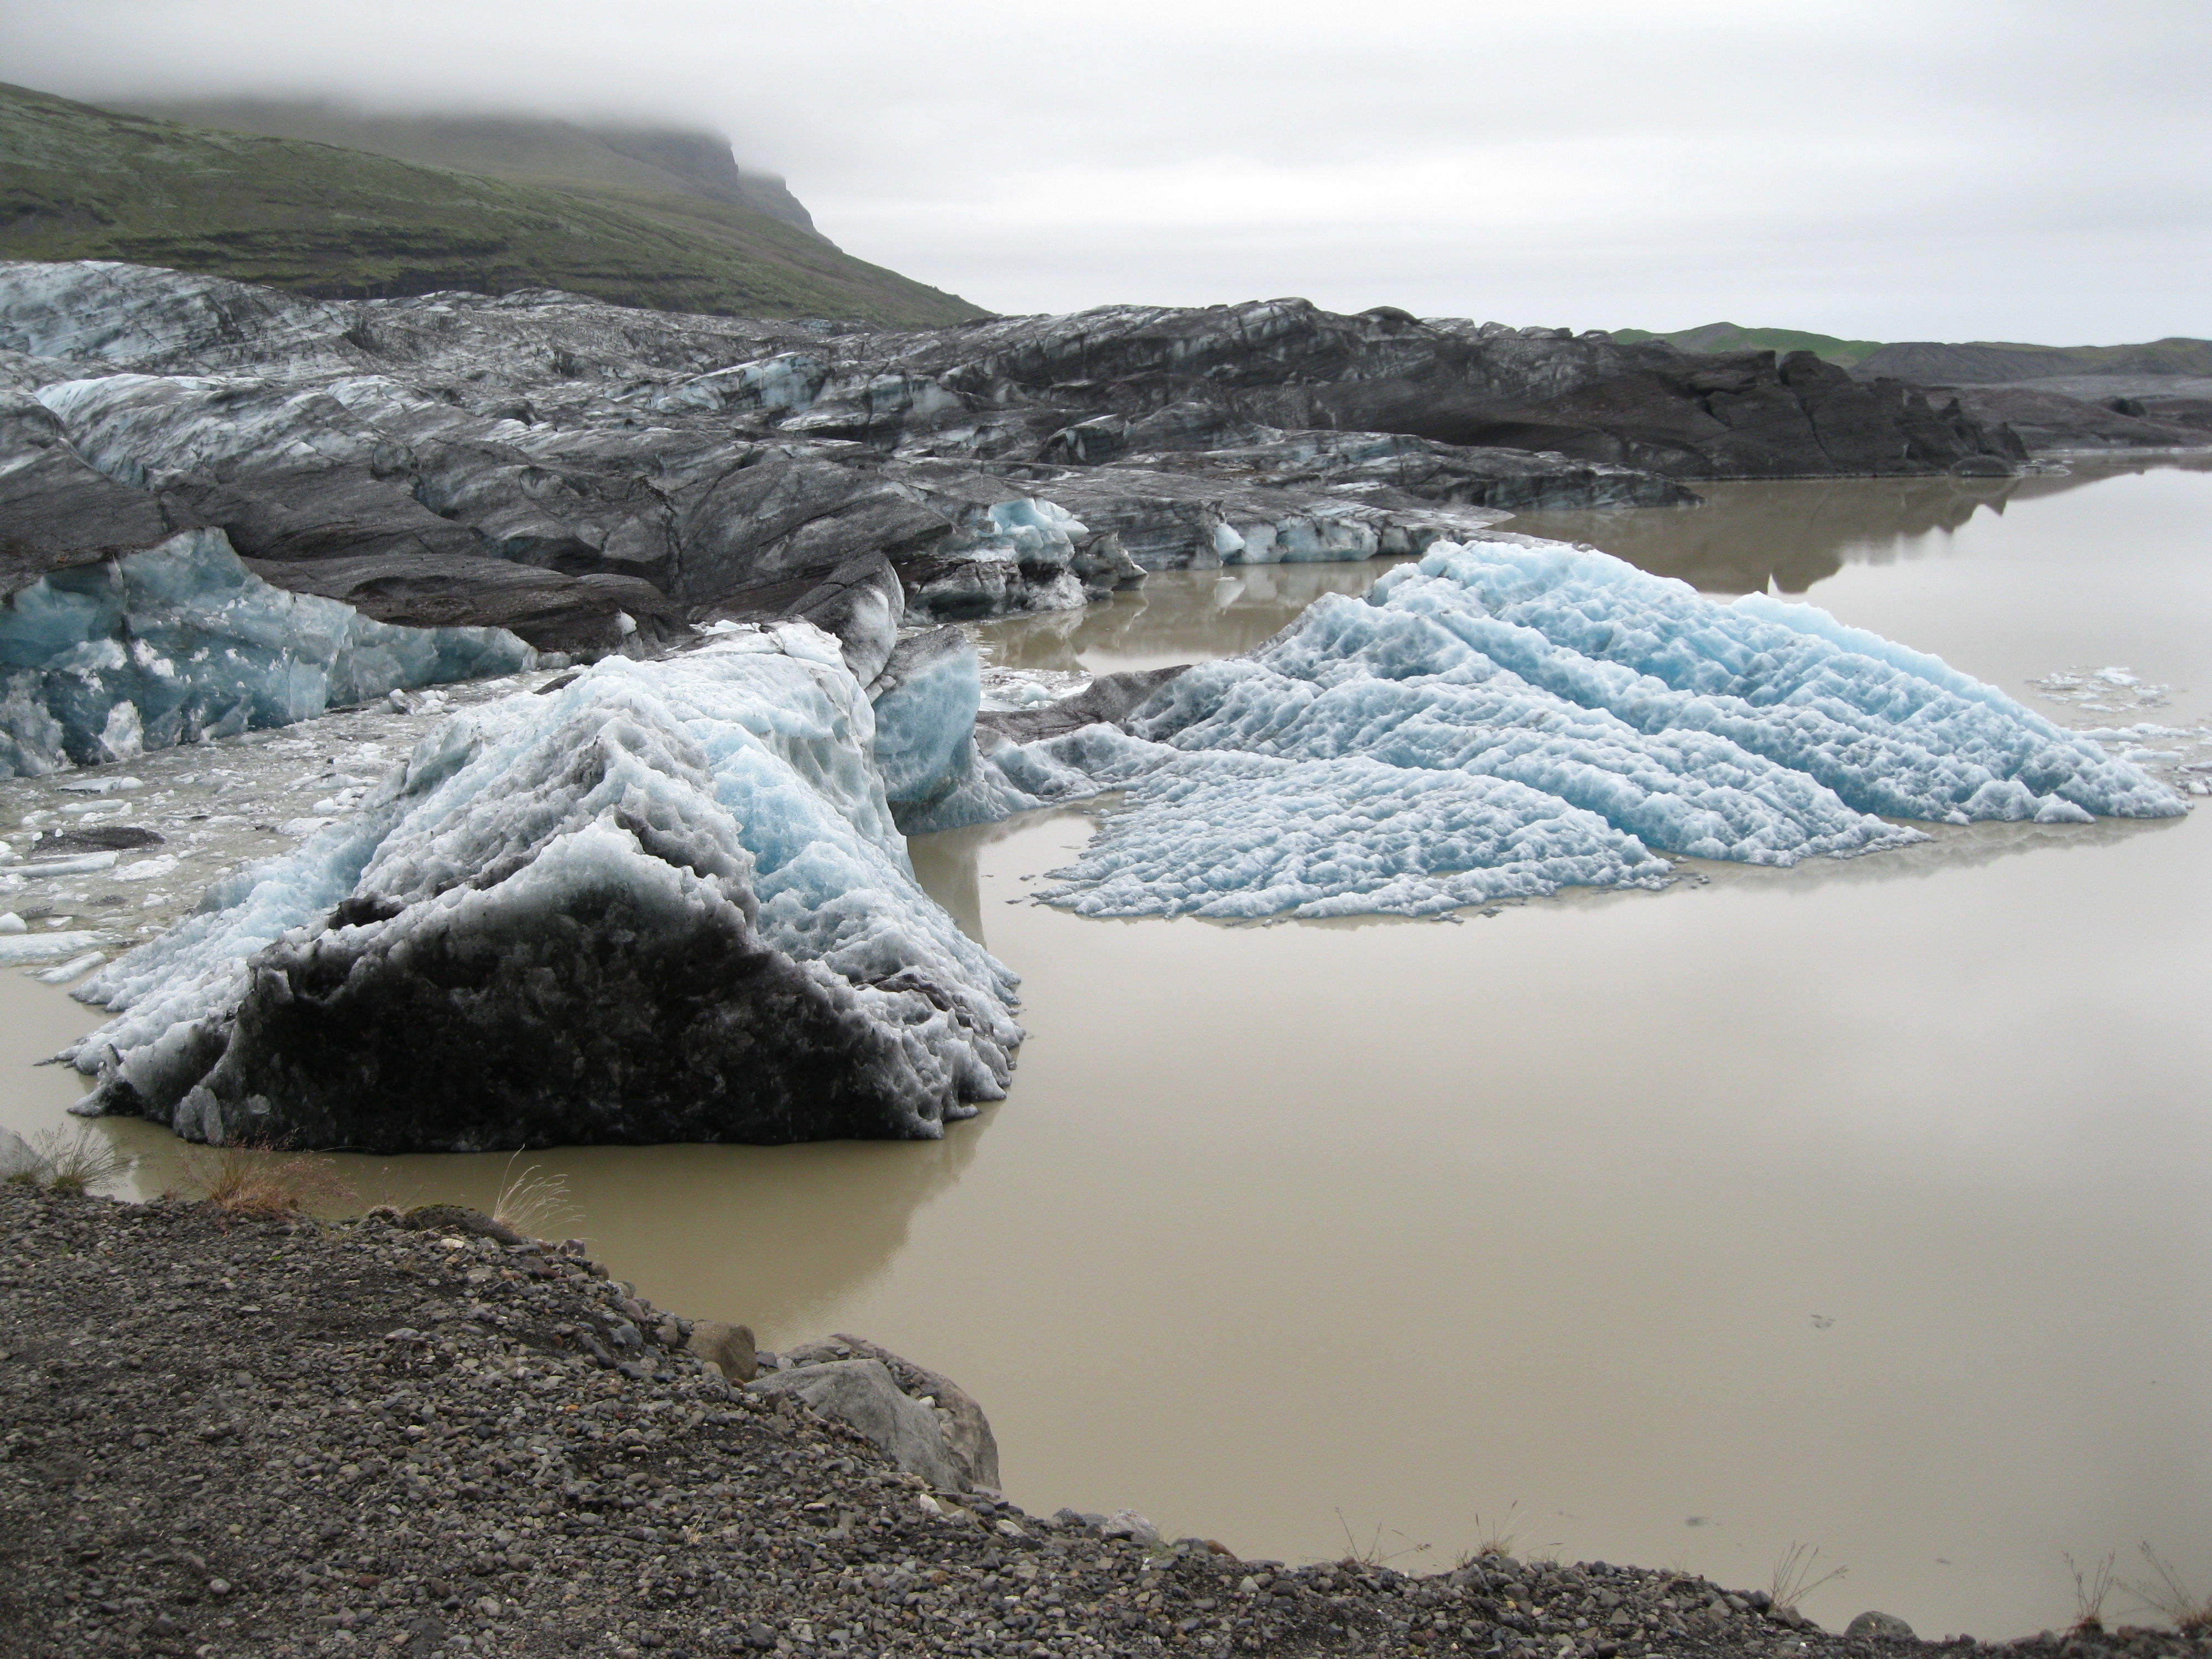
(1500,1534)
(1793,1579)
(2167,1595)
(253,1180)
(74,1161)
(1372,1554)
(534,1204)
(2090,1589)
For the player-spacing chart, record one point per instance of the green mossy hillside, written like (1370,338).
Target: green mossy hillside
(81,182)
(1728,336)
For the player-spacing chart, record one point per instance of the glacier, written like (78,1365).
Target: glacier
(1509,716)
(100,662)
(663,902)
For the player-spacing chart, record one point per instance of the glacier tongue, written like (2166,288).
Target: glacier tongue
(1509,716)
(666,902)
(103,661)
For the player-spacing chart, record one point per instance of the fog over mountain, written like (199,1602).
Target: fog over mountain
(2032,170)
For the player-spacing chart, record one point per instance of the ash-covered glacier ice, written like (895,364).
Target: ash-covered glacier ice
(102,661)
(1510,716)
(663,902)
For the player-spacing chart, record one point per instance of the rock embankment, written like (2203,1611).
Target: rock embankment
(221,1436)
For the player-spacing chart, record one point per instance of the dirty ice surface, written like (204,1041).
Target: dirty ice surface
(118,853)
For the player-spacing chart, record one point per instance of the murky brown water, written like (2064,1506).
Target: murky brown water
(1860,1204)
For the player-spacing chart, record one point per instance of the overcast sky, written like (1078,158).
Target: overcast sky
(1886,169)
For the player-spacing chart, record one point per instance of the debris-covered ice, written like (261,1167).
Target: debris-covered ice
(2111,690)
(1509,716)
(664,901)
(182,643)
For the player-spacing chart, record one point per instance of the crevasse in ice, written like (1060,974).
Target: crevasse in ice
(182,642)
(664,902)
(1509,716)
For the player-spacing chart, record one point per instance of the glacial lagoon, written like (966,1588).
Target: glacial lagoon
(1856,1205)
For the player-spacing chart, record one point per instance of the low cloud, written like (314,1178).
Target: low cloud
(2031,169)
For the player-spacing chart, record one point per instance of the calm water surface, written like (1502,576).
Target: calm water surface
(1860,1205)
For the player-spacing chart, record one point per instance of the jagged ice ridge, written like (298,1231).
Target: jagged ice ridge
(1510,716)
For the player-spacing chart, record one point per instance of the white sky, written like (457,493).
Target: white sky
(1890,169)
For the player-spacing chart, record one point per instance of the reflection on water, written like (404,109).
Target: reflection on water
(1177,615)
(776,1235)
(1791,535)
(1860,1204)
(1794,533)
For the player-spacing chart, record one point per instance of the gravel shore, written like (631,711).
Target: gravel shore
(233,1436)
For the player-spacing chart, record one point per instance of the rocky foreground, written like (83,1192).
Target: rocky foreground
(228,1436)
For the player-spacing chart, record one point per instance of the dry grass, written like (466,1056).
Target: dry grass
(1793,1579)
(251,1179)
(2090,1589)
(74,1161)
(535,1205)
(1498,1536)
(2167,1595)
(1372,1554)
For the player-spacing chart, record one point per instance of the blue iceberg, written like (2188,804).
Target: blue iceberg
(1509,716)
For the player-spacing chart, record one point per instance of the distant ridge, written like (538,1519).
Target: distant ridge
(659,220)
(1729,337)
(1987,362)
(1930,363)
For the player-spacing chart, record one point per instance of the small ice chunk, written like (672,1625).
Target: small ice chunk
(12,923)
(106,786)
(63,974)
(80,864)
(147,869)
(43,947)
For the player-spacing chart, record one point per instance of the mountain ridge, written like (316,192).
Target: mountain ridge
(81,182)
(528,149)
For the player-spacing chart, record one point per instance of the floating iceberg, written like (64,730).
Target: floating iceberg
(666,902)
(1510,716)
(105,661)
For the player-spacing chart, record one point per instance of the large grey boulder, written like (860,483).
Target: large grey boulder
(861,1392)
(968,1437)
